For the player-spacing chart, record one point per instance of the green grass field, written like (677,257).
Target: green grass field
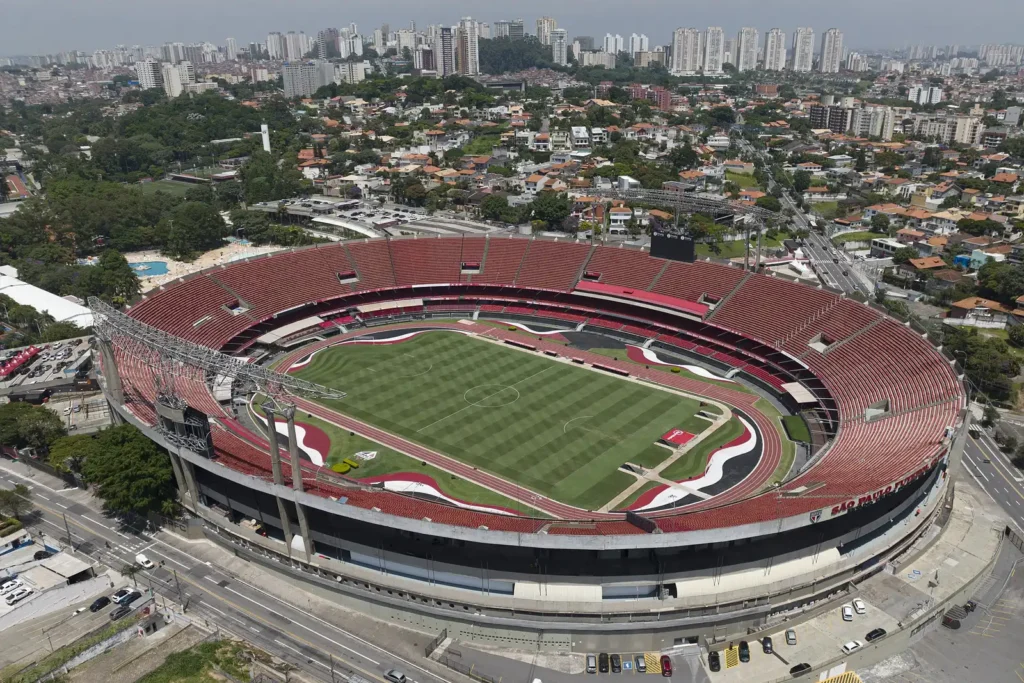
(735,249)
(172,187)
(557,429)
(744,180)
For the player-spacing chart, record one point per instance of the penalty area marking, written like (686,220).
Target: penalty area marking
(565,428)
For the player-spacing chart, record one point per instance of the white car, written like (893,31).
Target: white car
(852,646)
(859,607)
(121,595)
(144,561)
(9,586)
(18,595)
(847,613)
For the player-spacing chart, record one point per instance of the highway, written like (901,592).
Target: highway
(282,627)
(994,472)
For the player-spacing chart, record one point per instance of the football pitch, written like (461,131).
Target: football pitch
(551,427)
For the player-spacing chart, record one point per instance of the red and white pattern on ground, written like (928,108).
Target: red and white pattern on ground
(639,354)
(308,358)
(664,495)
(310,439)
(424,485)
(770,457)
(554,334)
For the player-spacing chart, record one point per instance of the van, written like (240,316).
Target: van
(591,664)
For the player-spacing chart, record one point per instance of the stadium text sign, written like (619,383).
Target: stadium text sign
(880,493)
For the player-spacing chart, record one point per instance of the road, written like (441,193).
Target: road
(279,626)
(994,472)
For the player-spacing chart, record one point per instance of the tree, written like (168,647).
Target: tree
(15,502)
(131,571)
(770,203)
(1016,336)
(552,208)
(493,206)
(880,223)
(977,228)
(904,254)
(801,181)
(23,425)
(193,228)
(68,453)
(989,416)
(131,473)
(682,157)
(1001,281)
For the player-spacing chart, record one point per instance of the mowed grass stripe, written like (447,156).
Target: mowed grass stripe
(524,442)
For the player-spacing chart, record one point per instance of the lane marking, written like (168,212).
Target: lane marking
(169,558)
(301,653)
(39,495)
(90,519)
(62,505)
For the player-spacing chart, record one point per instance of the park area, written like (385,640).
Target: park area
(551,427)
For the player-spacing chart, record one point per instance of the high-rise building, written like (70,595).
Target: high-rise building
(149,72)
(560,46)
(406,40)
(687,51)
(300,79)
(516,30)
(925,94)
(444,52)
(803,49)
(613,45)
(231,49)
(586,42)
(545,25)
(745,48)
(275,46)
(714,50)
(501,28)
(171,78)
(294,45)
(638,43)
(378,40)
(485,30)
(468,55)
(327,43)
(831,58)
(775,50)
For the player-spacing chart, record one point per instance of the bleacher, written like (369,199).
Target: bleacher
(428,260)
(550,265)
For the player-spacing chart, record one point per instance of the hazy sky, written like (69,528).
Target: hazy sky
(40,26)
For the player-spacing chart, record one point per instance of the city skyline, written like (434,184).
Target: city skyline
(88,26)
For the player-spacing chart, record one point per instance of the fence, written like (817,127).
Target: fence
(1014,538)
(435,643)
(450,661)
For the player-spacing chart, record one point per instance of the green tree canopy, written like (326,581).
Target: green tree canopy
(23,425)
(880,223)
(131,473)
(801,181)
(1001,281)
(904,254)
(193,228)
(552,208)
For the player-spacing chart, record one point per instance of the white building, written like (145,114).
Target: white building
(275,45)
(468,48)
(150,74)
(831,58)
(638,43)
(352,72)
(925,94)
(545,26)
(775,50)
(231,49)
(745,50)
(714,50)
(803,49)
(560,46)
(406,40)
(687,51)
(580,137)
(613,44)
(300,79)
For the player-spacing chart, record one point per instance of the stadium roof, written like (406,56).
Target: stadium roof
(61,309)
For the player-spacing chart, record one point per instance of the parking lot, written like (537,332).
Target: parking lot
(81,412)
(57,361)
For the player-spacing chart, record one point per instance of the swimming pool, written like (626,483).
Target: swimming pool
(149,268)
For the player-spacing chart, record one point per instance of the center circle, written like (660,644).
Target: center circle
(491,395)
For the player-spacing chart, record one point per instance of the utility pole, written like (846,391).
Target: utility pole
(67,528)
(178,585)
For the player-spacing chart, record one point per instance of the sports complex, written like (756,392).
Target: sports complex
(523,438)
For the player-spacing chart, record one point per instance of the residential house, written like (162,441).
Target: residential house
(823,194)
(619,216)
(917,267)
(580,137)
(979,312)
(738,166)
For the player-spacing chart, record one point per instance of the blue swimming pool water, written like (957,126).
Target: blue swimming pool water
(149,268)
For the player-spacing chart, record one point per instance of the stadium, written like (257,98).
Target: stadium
(527,439)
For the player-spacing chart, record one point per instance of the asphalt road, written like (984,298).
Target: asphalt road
(278,626)
(994,472)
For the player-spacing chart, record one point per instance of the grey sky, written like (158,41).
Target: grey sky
(40,26)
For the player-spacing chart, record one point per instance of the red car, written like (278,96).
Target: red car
(666,666)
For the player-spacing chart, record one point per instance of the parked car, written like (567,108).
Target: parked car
(10,586)
(800,669)
(744,651)
(17,595)
(602,662)
(766,645)
(120,611)
(591,664)
(714,661)
(790,636)
(847,613)
(395,676)
(144,561)
(99,603)
(859,607)
(616,664)
(130,598)
(852,646)
(874,635)
(121,595)
(666,666)
(641,664)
